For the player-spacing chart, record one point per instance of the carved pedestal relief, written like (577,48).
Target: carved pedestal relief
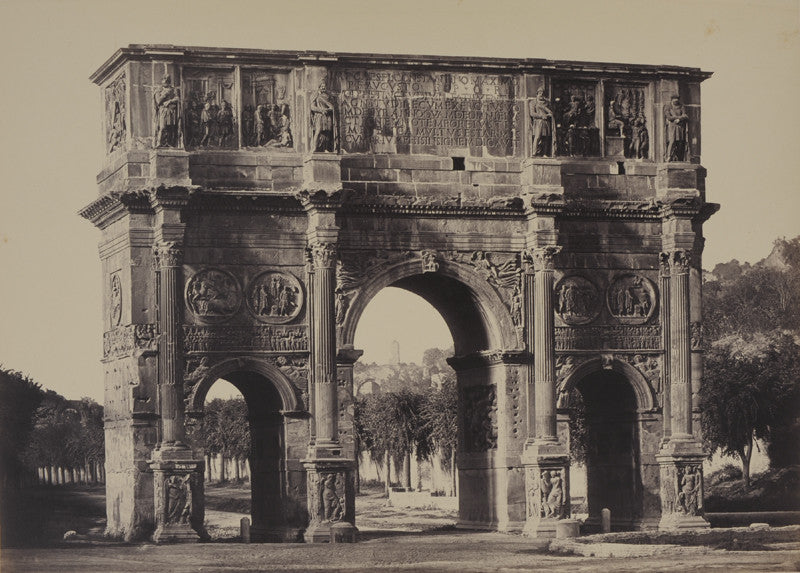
(546,495)
(682,489)
(115,301)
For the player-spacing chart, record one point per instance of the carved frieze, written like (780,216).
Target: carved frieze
(125,340)
(689,500)
(631,299)
(574,107)
(251,337)
(275,297)
(645,337)
(115,301)
(116,124)
(626,121)
(266,110)
(388,111)
(577,300)
(209,119)
(649,365)
(480,423)
(429,264)
(552,492)
(327,491)
(213,295)
(296,369)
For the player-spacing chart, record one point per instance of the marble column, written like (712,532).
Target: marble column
(546,460)
(170,369)
(323,358)
(681,458)
(681,347)
(664,287)
(177,476)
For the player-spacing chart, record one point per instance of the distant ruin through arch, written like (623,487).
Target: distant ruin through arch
(253,202)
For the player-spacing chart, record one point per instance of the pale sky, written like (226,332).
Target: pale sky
(50,124)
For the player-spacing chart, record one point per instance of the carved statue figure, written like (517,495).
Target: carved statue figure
(224,123)
(282,134)
(342,304)
(208,118)
(640,139)
(429,264)
(541,118)
(546,487)
(555,499)
(690,489)
(322,124)
(331,503)
(179,499)
(167,100)
(675,122)
(260,121)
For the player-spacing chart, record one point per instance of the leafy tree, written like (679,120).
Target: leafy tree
(19,398)
(440,418)
(225,429)
(749,390)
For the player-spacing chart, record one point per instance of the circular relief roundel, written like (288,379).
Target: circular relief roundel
(631,299)
(577,300)
(275,297)
(213,295)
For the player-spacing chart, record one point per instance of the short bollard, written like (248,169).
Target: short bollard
(566,528)
(244,529)
(605,520)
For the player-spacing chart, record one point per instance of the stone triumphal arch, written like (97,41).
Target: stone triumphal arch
(253,202)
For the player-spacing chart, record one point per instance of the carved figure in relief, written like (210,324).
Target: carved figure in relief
(322,121)
(167,101)
(260,122)
(631,298)
(116,301)
(541,118)
(342,304)
(429,264)
(332,506)
(281,132)
(675,124)
(213,293)
(640,138)
(688,494)
(207,119)
(179,499)
(275,297)
(617,116)
(224,123)
(516,306)
(555,499)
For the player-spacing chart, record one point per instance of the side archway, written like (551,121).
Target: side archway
(281,383)
(645,395)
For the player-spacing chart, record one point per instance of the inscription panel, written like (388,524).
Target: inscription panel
(402,111)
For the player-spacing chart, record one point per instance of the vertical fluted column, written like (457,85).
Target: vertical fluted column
(323,356)
(170,368)
(544,345)
(311,385)
(529,288)
(680,345)
(664,287)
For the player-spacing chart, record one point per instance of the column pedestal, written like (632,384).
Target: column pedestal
(546,488)
(178,493)
(331,501)
(681,472)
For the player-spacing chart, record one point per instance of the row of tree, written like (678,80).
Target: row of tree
(225,433)
(751,381)
(45,437)
(398,425)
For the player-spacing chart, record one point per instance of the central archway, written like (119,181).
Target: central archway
(488,379)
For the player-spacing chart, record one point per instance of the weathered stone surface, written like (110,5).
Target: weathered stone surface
(253,203)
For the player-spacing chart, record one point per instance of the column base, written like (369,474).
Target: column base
(277,534)
(542,528)
(546,465)
(339,532)
(681,473)
(678,522)
(176,533)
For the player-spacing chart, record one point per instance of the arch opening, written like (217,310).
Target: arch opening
(607,403)
(257,488)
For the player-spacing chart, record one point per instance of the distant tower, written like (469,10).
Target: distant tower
(395,352)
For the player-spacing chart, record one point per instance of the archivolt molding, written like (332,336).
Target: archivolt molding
(497,316)
(200,379)
(571,372)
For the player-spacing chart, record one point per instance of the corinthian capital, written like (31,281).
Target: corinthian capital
(681,261)
(663,263)
(543,257)
(323,254)
(168,254)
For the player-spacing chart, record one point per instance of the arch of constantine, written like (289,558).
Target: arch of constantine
(253,202)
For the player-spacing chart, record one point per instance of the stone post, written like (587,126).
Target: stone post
(681,457)
(546,460)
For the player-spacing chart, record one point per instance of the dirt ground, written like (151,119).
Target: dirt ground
(396,539)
